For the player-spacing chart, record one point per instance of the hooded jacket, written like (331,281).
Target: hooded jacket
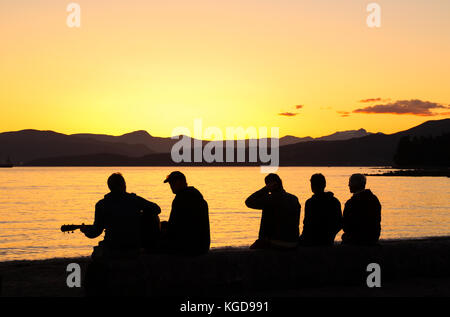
(323,219)
(362,219)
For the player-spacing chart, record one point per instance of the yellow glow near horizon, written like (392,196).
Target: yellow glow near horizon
(157,65)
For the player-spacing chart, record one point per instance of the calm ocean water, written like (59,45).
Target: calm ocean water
(36,201)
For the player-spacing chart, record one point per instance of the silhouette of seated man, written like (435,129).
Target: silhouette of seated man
(187,231)
(280,215)
(362,214)
(323,216)
(130,222)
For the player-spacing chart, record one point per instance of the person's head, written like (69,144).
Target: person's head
(318,183)
(177,181)
(116,183)
(273,182)
(357,183)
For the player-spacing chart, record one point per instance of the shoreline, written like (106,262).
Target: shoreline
(220,249)
(410,267)
(415,172)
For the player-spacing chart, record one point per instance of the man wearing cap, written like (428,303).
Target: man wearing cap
(280,215)
(187,231)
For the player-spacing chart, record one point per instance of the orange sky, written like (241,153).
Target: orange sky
(158,65)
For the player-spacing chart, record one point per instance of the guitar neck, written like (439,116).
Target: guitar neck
(67,228)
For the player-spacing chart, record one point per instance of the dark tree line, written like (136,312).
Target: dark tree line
(423,151)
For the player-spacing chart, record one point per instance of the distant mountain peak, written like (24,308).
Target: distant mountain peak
(337,136)
(295,137)
(139,133)
(345,135)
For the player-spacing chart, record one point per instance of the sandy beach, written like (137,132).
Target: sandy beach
(409,268)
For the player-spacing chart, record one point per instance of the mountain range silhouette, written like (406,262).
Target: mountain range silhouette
(139,148)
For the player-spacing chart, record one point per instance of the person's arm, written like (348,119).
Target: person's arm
(338,219)
(258,199)
(374,220)
(148,206)
(150,222)
(346,217)
(307,218)
(200,226)
(348,221)
(176,218)
(298,209)
(378,210)
(99,223)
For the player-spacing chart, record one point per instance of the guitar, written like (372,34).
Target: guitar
(71,228)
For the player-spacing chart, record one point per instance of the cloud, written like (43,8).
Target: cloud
(288,114)
(291,114)
(373,100)
(401,107)
(344,113)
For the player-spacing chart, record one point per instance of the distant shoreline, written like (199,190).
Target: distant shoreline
(203,165)
(405,172)
(421,172)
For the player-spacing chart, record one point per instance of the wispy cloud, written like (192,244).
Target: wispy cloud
(405,107)
(373,100)
(288,114)
(291,114)
(343,113)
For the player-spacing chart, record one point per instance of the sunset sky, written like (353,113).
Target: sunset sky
(308,67)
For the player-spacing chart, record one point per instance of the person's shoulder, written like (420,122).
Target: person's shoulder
(192,191)
(350,200)
(291,196)
(374,197)
(371,193)
(367,193)
(134,196)
(100,204)
(334,199)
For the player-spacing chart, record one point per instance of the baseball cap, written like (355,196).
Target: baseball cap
(174,176)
